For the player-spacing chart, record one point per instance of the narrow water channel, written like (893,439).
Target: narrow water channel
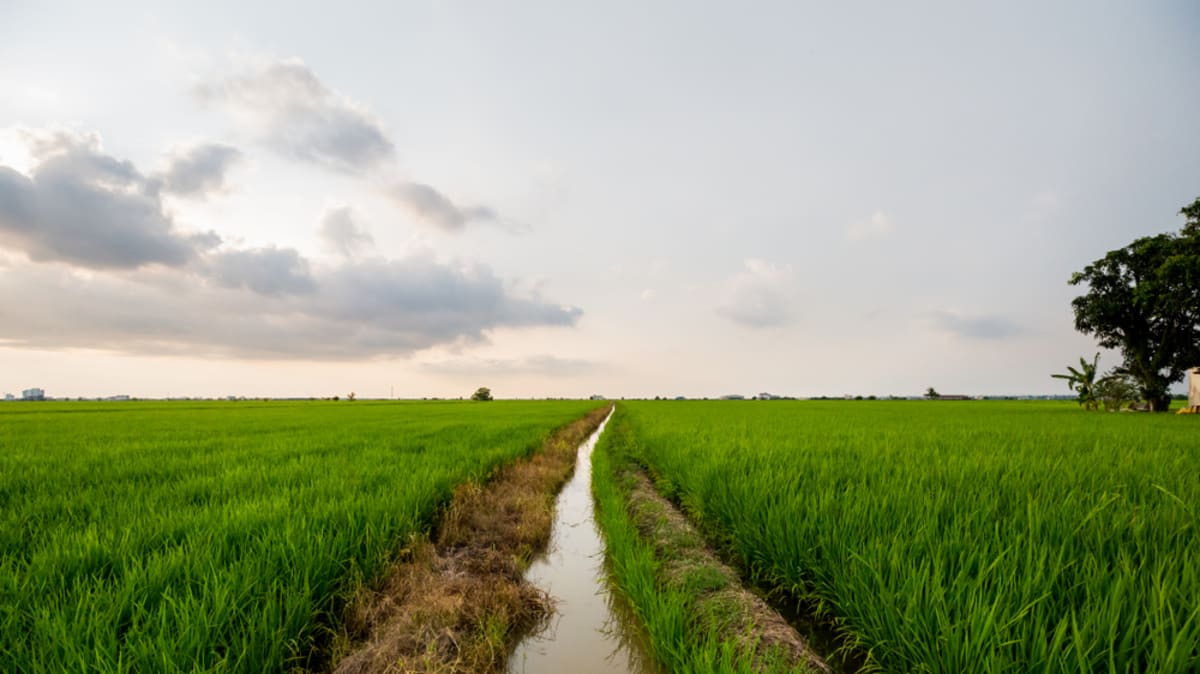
(585,636)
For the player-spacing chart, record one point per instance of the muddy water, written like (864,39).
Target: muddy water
(587,634)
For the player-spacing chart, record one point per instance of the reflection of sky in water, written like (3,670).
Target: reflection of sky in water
(586,634)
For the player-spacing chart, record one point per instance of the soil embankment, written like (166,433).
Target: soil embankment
(758,632)
(459,603)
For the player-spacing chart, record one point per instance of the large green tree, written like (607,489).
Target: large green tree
(1144,300)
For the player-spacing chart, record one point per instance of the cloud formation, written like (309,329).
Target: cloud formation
(103,221)
(435,208)
(373,308)
(267,271)
(761,296)
(975,327)
(198,170)
(81,206)
(286,106)
(340,234)
(877,226)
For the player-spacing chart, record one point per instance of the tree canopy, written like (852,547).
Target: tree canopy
(1144,300)
(482,394)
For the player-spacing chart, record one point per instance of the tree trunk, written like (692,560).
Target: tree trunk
(1160,403)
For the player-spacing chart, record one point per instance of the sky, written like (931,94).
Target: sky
(415,199)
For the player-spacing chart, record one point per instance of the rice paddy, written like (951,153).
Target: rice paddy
(222,537)
(938,537)
(933,536)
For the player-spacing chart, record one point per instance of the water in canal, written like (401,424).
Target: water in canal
(587,633)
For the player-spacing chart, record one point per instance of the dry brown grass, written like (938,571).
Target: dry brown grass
(460,603)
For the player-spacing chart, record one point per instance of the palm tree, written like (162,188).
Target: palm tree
(1083,381)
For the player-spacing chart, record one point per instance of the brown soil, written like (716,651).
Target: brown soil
(762,634)
(460,603)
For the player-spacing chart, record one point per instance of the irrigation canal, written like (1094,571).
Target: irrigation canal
(587,634)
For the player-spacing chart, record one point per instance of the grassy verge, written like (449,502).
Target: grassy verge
(697,616)
(458,602)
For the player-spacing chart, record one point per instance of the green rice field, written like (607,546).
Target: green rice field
(936,536)
(221,537)
(948,537)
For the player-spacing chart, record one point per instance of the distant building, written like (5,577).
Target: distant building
(33,394)
(597,396)
(8,397)
(766,396)
(733,396)
(953,397)
(118,398)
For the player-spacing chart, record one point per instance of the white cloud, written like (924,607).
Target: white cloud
(761,296)
(340,234)
(284,105)
(434,208)
(877,226)
(198,170)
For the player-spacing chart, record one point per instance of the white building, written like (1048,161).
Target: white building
(33,394)
(8,397)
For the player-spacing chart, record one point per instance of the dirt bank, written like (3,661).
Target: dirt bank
(459,603)
(720,600)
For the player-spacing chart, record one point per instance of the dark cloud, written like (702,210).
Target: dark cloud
(341,234)
(286,106)
(421,293)
(975,327)
(356,310)
(198,170)
(437,209)
(267,271)
(84,207)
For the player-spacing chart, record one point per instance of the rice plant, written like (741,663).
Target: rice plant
(221,537)
(953,537)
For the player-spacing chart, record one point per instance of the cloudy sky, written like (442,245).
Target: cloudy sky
(550,198)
